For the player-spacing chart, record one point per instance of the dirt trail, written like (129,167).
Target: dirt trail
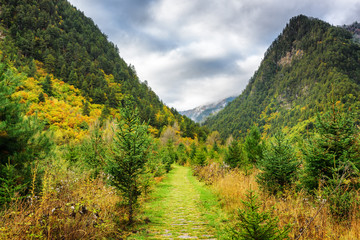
(177,210)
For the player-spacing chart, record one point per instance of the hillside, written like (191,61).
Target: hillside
(77,127)
(66,44)
(201,113)
(309,60)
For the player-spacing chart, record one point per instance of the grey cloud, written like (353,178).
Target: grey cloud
(199,68)
(134,12)
(189,51)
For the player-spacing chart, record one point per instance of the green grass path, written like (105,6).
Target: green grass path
(181,208)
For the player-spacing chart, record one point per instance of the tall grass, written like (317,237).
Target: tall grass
(67,207)
(295,207)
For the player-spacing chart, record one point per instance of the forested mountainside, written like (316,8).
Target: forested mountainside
(309,61)
(71,48)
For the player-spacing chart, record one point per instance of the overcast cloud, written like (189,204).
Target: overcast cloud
(193,52)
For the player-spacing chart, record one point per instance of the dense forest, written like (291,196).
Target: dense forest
(84,145)
(73,49)
(307,61)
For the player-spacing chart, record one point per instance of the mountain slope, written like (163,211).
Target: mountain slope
(309,60)
(72,48)
(199,114)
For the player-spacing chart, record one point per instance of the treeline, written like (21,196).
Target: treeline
(307,61)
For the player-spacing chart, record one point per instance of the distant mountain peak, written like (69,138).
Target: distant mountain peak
(201,113)
(355,30)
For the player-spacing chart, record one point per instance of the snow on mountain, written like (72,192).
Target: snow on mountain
(199,114)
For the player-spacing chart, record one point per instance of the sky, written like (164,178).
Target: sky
(195,52)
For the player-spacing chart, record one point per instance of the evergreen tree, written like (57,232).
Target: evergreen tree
(251,224)
(166,160)
(181,151)
(332,149)
(32,68)
(93,150)
(279,166)
(192,151)
(253,145)
(22,140)
(131,150)
(41,97)
(9,179)
(73,78)
(86,108)
(216,147)
(49,63)
(105,112)
(47,86)
(200,157)
(171,151)
(234,155)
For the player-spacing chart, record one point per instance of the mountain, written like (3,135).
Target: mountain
(309,63)
(355,30)
(199,114)
(69,47)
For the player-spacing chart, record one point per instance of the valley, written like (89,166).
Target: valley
(89,151)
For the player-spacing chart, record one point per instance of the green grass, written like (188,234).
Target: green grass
(210,206)
(181,207)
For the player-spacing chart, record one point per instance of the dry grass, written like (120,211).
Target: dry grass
(296,208)
(68,207)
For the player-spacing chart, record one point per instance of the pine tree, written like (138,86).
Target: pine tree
(105,112)
(251,224)
(166,160)
(216,147)
(200,157)
(234,156)
(93,150)
(332,149)
(22,140)
(86,109)
(9,179)
(279,166)
(32,68)
(41,97)
(253,145)
(47,86)
(192,151)
(181,151)
(131,151)
(73,78)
